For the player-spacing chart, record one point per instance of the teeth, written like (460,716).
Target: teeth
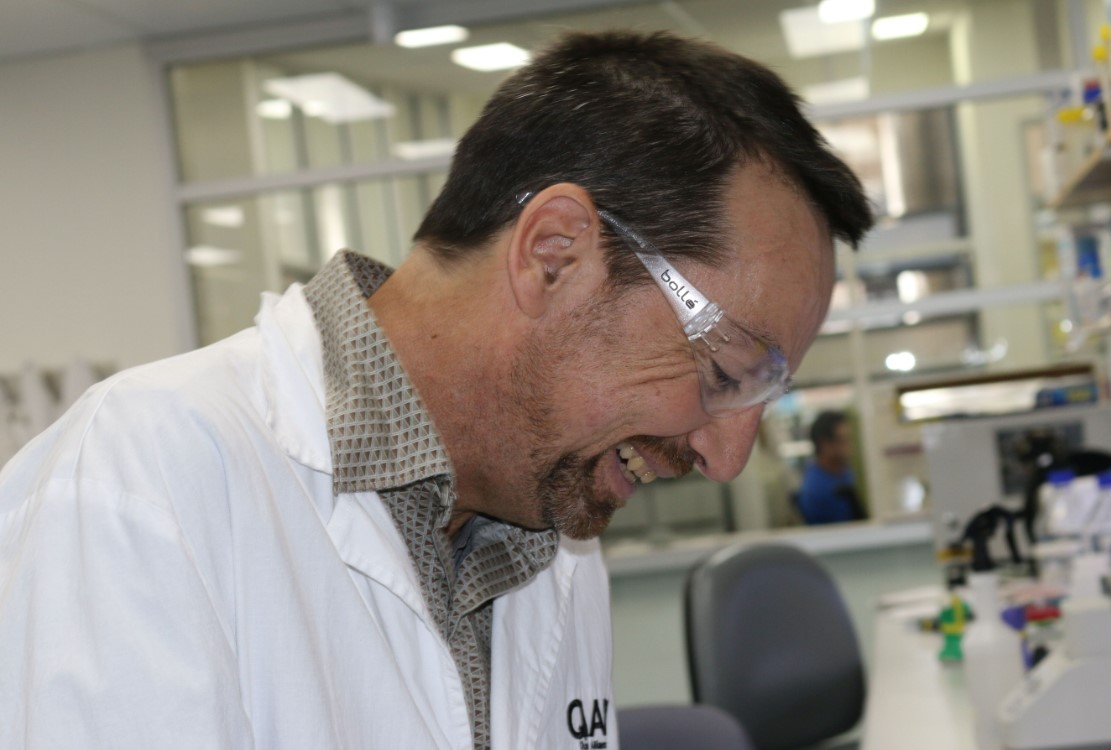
(634,467)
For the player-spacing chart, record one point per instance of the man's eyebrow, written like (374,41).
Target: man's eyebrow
(758,331)
(768,336)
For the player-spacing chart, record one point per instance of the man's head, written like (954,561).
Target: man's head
(702,154)
(832,440)
(653,127)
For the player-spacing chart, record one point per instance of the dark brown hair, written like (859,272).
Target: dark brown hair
(653,127)
(824,428)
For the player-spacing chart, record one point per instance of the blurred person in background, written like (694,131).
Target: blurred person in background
(828,492)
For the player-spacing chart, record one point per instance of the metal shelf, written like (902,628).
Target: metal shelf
(955,302)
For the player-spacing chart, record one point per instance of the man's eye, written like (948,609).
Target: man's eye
(723,381)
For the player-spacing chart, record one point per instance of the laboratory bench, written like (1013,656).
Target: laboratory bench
(915,701)
(631,558)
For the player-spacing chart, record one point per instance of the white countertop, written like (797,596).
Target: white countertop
(639,558)
(915,701)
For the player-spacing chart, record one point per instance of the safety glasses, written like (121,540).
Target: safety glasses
(737,368)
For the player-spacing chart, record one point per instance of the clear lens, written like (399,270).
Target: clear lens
(737,370)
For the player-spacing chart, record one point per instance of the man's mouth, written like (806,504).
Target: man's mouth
(633,465)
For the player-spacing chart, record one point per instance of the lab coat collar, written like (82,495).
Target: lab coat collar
(293,378)
(369,542)
(359,525)
(381,433)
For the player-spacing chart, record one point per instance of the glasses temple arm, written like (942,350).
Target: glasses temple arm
(696,313)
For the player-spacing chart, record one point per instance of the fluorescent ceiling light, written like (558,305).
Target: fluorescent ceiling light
(808,36)
(431,36)
(206,255)
(411,150)
(330,96)
(839,11)
(897,27)
(314,108)
(912,286)
(223,216)
(490,57)
(853,140)
(274,109)
(900,361)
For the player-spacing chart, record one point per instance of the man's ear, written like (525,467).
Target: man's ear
(554,249)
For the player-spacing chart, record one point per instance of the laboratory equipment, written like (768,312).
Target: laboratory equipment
(1069,503)
(1100,523)
(1063,702)
(993,460)
(993,661)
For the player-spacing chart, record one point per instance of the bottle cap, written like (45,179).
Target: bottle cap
(1059,477)
(1104,479)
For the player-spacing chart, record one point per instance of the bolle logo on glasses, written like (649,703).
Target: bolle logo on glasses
(680,290)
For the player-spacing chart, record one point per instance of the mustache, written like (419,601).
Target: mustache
(674,452)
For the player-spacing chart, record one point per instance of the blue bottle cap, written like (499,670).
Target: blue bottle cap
(1059,477)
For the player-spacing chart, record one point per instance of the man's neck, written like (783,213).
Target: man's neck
(448,341)
(830,464)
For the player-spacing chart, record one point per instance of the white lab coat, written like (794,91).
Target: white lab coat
(175,572)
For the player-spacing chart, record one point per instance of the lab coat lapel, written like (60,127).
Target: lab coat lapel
(368,541)
(529,627)
(292,377)
(361,529)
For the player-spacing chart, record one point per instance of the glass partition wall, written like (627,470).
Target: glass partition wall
(289,155)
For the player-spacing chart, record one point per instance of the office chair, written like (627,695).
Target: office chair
(770,641)
(674,727)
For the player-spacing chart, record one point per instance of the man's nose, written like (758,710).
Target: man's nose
(725,443)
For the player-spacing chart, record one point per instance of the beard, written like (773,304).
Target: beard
(569,501)
(562,488)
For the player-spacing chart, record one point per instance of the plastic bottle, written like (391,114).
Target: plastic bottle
(1083,501)
(1101,516)
(1056,500)
(993,662)
(1088,570)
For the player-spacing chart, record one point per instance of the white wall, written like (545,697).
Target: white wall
(88,260)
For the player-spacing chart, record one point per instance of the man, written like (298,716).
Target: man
(370,521)
(828,492)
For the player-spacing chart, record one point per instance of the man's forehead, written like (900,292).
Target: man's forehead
(778,270)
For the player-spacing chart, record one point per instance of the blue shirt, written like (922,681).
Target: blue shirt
(826,497)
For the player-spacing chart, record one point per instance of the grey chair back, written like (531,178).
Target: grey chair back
(770,641)
(680,727)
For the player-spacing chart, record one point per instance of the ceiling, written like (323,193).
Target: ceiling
(40,27)
(37,27)
(43,27)
(751,28)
